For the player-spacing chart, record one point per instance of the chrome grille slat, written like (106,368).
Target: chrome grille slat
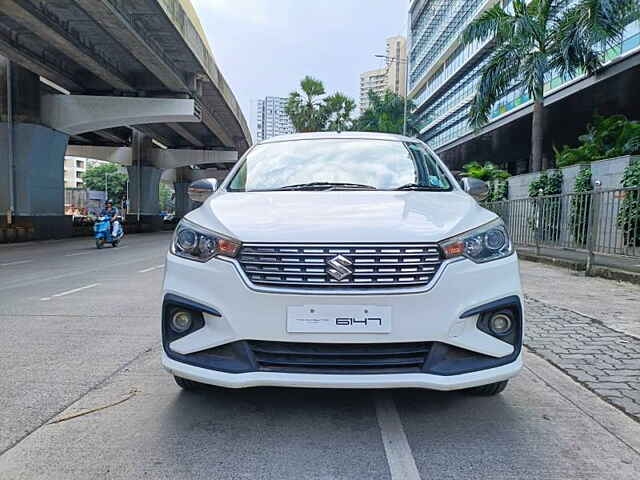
(372,265)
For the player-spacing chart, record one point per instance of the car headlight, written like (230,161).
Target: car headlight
(482,244)
(196,243)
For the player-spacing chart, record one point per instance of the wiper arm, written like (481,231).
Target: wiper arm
(416,186)
(327,185)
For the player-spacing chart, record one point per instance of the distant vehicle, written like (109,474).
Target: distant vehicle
(342,260)
(103,233)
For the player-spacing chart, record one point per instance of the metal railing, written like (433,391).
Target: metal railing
(596,223)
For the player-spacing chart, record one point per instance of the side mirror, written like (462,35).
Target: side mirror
(200,190)
(476,188)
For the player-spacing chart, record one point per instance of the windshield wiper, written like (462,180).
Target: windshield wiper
(416,186)
(327,186)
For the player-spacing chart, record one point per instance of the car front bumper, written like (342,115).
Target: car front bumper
(307,380)
(435,316)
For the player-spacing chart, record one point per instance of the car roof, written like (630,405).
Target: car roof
(340,135)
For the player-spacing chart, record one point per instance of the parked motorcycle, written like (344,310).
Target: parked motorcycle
(103,233)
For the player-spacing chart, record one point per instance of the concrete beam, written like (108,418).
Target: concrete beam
(119,155)
(111,137)
(186,134)
(111,20)
(27,60)
(173,158)
(75,114)
(45,29)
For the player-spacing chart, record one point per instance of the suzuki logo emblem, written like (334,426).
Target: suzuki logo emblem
(339,267)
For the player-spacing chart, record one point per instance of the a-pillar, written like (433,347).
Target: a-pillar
(144,184)
(31,159)
(181,185)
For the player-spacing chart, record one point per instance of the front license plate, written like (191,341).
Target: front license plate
(338,319)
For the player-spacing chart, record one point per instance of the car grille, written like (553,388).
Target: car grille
(367,266)
(340,358)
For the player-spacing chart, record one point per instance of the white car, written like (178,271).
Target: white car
(342,260)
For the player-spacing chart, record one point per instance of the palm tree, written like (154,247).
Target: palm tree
(309,111)
(305,110)
(385,114)
(536,36)
(338,109)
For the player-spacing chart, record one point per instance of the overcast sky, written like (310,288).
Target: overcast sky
(264,47)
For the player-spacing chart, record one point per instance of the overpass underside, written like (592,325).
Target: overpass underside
(507,141)
(133,74)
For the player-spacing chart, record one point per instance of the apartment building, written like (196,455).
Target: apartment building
(74,168)
(271,118)
(391,77)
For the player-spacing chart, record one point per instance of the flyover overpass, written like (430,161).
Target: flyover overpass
(78,75)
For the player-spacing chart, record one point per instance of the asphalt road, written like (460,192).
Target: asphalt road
(79,334)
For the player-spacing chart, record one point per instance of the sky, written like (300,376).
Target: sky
(265,47)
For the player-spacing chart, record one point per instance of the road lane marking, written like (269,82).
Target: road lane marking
(151,269)
(75,254)
(20,262)
(69,292)
(401,463)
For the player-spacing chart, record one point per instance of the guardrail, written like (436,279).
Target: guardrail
(600,222)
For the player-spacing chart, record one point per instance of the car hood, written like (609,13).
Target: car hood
(340,216)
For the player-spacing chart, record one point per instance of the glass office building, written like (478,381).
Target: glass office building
(444,74)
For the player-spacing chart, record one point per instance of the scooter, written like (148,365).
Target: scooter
(102,229)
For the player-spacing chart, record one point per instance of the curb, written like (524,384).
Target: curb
(596,271)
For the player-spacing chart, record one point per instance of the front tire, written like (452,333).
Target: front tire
(186,384)
(489,390)
(99,243)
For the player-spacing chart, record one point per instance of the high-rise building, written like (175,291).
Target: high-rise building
(271,118)
(391,77)
(444,75)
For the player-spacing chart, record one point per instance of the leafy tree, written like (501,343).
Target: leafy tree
(606,137)
(94,179)
(385,114)
(312,111)
(534,37)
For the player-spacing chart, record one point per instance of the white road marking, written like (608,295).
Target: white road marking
(401,463)
(20,262)
(75,254)
(69,292)
(157,267)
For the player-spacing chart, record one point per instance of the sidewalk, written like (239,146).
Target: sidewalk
(616,304)
(587,327)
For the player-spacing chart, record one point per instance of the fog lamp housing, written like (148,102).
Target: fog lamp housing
(501,323)
(180,321)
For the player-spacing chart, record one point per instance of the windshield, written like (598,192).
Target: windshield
(339,164)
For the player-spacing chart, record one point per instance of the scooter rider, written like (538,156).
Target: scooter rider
(112,213)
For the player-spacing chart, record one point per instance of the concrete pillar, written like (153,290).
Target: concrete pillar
(144,182)
(181,186)
(31,159)
(182,201)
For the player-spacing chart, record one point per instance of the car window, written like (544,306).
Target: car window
(379,164)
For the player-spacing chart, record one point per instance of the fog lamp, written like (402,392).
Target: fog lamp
(180,321)
(500,323)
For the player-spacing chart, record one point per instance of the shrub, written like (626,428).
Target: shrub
(629,213)
(550,216)
(486,172)
(581,206)
(606,137)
